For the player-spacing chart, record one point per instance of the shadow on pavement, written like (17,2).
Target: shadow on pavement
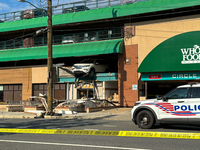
(41,123)
(167,127)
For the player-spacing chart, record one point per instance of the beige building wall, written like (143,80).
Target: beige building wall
(150,34)
(39,75)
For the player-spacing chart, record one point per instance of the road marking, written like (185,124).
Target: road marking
(90,129)
(176,135)
(109,126)
(64,144)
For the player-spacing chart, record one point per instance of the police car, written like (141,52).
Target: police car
(179,106)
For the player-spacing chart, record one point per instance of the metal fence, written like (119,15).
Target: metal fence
(114,33)
(81,37)
(14,106)
(18,106)
(63,8)
(10,44)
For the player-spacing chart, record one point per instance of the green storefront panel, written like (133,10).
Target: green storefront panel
(68,50)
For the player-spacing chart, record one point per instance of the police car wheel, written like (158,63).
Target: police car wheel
(145,119)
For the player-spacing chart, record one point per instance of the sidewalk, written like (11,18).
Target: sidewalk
(16,115)
(111,114)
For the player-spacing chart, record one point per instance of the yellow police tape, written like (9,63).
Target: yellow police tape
(178,135)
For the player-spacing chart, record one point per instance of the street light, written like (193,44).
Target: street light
(49,59)
(28,2)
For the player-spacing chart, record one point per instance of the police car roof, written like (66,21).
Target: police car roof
(190,85)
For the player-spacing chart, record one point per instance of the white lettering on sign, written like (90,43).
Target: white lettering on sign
(191,55)
(184,76)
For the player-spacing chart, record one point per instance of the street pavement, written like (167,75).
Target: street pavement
(110,114)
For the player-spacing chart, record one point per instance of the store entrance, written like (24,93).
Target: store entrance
(84,93)
(160,88)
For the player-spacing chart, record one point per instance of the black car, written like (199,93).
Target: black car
(75,9)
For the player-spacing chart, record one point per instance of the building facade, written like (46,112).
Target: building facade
(151,49)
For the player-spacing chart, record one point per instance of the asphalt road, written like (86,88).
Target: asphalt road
(82,142)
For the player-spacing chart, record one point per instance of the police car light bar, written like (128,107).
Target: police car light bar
(191,83)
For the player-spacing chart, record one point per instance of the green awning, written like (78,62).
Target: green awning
(101,13)
(178,53)
(68,50)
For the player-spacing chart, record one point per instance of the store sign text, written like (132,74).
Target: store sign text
(184,76)
(171,76)
(191,55)
(155,76)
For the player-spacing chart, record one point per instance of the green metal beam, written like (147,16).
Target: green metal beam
(68,50)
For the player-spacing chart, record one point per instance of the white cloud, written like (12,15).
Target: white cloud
(4,6)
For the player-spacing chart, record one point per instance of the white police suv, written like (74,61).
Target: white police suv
(179,106)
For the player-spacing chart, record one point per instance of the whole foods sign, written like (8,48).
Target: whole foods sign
(180,53)
(191,55)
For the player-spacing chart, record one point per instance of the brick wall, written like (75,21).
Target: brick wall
(127,75)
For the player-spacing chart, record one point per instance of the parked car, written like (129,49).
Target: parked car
(87,39)
(68,40)
(90,67)
(179,106)
(75,9)
(33,13)
(93,38)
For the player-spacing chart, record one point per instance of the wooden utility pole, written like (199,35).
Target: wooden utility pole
(49,61)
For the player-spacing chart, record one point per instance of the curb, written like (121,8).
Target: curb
(21,117)
(109,115)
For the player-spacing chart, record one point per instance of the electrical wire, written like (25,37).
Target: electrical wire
(130,18)
(110,20)
(30,35)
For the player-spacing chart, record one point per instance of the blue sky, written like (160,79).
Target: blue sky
(13,5)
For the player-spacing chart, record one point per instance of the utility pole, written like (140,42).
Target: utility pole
(49,60)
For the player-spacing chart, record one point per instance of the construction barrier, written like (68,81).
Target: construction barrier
(177,135)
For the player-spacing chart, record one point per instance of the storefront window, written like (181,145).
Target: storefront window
(11,92)
(85,93)
(59,90)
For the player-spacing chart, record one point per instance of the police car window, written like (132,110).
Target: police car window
(195,92)
(179,93)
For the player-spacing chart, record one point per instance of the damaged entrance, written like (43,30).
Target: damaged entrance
(99,91)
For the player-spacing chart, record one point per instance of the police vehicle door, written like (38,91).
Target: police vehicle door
(175,105)
(194,105)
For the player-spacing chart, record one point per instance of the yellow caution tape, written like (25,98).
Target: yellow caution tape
(60,131)
(178,135)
